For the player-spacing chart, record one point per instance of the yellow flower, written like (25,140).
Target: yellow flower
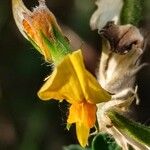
(40,28)
(71,81)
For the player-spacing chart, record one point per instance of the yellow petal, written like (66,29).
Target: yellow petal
(91,89)
(82,132)
(75,112)
(94,92)
(62,84)
(71,81)
(83,113)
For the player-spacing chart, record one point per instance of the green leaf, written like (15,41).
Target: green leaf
(74,147)
(104,142)
(139,133)
(131,12)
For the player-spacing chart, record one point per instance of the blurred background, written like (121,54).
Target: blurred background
(26,122)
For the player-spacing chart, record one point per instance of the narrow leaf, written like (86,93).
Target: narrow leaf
(74,147)
(104,142)
(138,132)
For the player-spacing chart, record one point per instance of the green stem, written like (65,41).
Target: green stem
(132,12)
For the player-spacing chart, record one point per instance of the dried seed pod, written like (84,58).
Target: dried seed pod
(122,48)
(120,61)
(122,38)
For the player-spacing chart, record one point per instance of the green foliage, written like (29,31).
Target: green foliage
(134,130)
(74,147)
(131,12)
(104,142)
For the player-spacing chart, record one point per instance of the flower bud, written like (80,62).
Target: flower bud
(41,29)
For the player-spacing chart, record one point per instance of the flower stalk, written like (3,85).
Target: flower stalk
(131,12)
